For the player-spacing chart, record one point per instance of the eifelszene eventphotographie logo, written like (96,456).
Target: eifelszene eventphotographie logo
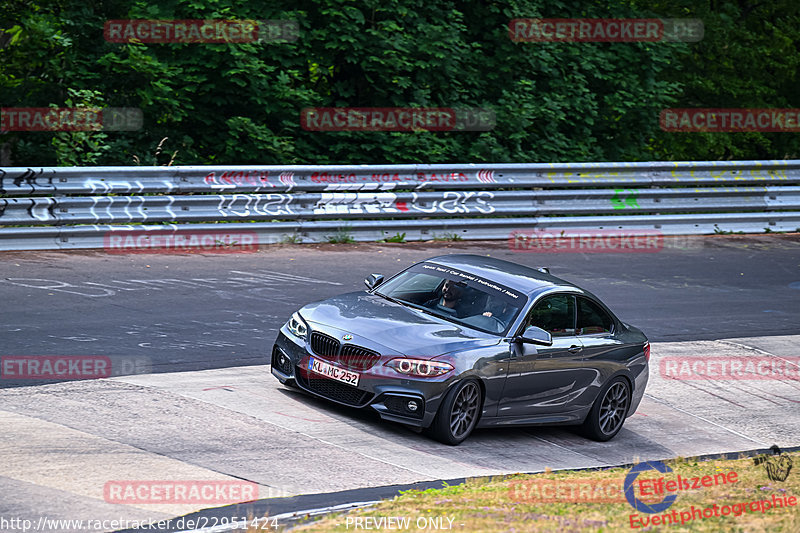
(638,504)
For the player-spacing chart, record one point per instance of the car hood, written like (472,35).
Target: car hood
(398,329)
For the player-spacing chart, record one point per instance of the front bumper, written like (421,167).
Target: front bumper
(380,388)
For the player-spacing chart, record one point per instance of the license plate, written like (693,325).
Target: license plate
(333,372)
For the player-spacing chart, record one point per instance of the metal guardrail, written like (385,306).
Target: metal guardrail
(75,207)
(246,179)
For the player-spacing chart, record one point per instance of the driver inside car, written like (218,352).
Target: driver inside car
(450,298)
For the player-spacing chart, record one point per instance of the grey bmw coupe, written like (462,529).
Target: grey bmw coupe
(464,341)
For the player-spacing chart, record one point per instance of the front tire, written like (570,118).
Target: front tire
(608,413)
(458,414)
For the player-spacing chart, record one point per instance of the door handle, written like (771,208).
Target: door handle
(574,349)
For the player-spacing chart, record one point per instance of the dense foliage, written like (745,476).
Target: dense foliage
(240,103)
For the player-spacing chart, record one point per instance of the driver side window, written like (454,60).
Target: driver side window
(554,314)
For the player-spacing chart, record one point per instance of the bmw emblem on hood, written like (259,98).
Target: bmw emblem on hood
(347,337)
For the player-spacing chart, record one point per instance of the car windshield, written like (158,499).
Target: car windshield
(456,296)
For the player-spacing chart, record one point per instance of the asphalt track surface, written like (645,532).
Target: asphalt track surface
(195,312)
(189,338)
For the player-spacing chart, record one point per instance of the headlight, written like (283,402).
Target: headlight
(297,326)
(419,367)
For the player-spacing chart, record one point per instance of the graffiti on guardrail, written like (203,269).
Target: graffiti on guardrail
(358,203)
(624,198)
(167,208)
(720,195)
(27,210)
(457,202)
(167,180)
(230,179)
(103,186)
(124,206)
(396,180)
(243,205)
(353,203)
(451,202)
(28,177)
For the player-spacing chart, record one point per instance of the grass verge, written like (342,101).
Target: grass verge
(560,501)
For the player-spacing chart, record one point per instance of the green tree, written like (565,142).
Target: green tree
(234,103)
(749,57)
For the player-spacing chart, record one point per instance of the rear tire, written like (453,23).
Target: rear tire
(458,414)
(608,413)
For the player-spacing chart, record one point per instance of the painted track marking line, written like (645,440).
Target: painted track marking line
(567,449)
(348,450)
(664,402)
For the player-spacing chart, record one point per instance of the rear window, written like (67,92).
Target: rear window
(592,318)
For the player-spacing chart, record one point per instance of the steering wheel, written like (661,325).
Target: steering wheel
(499,324)
(448,310)
(482,322)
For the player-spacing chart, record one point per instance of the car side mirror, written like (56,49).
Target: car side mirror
(535,335)
(373,281)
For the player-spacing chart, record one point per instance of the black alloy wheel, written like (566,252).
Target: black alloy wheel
(458,413)
(609,411)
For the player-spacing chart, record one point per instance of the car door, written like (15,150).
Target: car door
(545,380)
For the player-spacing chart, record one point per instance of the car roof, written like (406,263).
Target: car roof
(524,279)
